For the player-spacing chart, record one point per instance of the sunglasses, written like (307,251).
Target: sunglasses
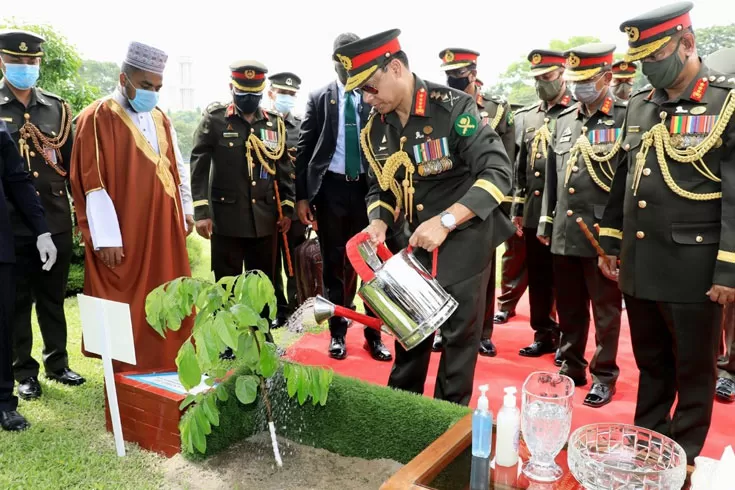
(369,89)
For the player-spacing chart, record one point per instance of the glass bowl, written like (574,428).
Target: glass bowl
(618,456)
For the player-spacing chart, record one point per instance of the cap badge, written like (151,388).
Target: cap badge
(623,66)
(536,59)
(249,74)
(23,46)
(448,57)
(633,33)
(289,82)
(573,60)
(346,62)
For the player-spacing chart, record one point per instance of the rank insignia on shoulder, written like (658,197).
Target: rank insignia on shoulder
(607,105)
(420,102)
(270,138)
(435,95)
(466,124)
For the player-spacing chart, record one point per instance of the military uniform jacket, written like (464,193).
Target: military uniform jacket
(532,156)
(497,113)
(293,126)
(673,223)
(456,160)
(46,112)
(582,152)
(240,205)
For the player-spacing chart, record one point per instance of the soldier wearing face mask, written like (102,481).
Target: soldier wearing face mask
(578,177)
(282,93)
(670,220)
(539,122)
(623,80)
(460,66)
(239,155)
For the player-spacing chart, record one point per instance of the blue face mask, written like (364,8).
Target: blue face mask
(285,103)
(22,76)
(144,100)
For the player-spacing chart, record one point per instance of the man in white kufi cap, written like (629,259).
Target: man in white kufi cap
(133,201)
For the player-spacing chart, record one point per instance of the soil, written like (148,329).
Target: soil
(250,465)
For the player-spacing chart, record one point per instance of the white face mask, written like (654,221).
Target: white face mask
(586,92)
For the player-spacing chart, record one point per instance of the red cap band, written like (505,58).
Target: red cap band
(361,59)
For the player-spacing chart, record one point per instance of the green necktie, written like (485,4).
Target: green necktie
(352,145)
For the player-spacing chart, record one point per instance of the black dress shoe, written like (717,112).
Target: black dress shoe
(558,361)
(29,388)
(725,390)
(377,350)
(487,348)
(66,377)
(13,421)
(600,395)
(437,345)
(538,349)
(503,317)
(337,348)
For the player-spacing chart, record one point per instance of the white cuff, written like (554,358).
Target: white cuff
(102,218)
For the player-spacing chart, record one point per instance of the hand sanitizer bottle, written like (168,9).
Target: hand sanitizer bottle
(482,431)
(509,428)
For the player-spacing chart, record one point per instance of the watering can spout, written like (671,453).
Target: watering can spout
(323,309)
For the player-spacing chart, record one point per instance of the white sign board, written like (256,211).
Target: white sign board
(108,331)
(170,382)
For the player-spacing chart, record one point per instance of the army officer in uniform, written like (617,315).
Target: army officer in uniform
(283,90)
(623,80)
(238,161)
(578,177)
(40,123)
(460,66)
(451,174)
(670,220)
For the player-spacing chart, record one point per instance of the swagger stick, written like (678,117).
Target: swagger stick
(285,236)
(591,237)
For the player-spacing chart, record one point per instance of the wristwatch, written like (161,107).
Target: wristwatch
(448,220)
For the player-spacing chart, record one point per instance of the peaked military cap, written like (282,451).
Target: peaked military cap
(21,43)
(587,60)
(285,81)
(543,61)
(363,57)
(651,31)
(248,75)
(624,69)
(455,58)
(722,60)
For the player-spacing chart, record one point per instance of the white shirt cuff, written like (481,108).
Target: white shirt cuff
(102,218)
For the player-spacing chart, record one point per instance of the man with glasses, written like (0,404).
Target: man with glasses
(578,177)
(435,165)
(460,66)
(670,220)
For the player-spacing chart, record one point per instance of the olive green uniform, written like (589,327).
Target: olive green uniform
(458,160)
(52,118)
(577,190)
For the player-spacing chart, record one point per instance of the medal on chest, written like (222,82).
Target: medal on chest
(432,157)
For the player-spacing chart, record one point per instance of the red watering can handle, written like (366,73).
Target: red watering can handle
(434,259)
(358,263)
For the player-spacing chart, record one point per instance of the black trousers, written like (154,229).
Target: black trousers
(514,281)
(461,334)
(286,294)
(341,213)
(540,288)
(7,302)
(579,282)
(726,362)
(48,291)
(675,347)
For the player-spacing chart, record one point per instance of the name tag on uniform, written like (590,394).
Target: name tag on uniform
(230,135)
(270,138)
(634,129)
(432,157)
(530,130)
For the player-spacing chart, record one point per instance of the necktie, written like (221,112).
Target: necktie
(352,145)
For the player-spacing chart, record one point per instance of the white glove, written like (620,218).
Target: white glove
(47,249)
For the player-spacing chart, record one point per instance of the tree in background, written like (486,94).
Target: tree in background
(60,68)
(710,39)
(104,75)
(185,123)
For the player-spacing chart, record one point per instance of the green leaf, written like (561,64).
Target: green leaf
(264,325)
(210,410)
(190,374)
(325,379)
(227,282)
(185,429)
(246,388)
(153,310)
(210,381)
(198,438)
(303,386)
(224,324)
(247,350)
(187,401)
(204,357)
(202,420)
(245,316)
(292,383)
(221,393)
(268,360)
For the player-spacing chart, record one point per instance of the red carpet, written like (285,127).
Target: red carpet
(509,369)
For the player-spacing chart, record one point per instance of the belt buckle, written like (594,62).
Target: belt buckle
(348,179)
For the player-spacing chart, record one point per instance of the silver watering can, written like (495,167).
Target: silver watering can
(409,302)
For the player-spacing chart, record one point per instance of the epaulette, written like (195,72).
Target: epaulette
(272,112)
(528,108)
(215,106)
(567,110)
(645,91)
(50,94)
(723,81)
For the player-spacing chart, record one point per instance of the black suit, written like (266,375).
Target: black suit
(18,189)
(341,211)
